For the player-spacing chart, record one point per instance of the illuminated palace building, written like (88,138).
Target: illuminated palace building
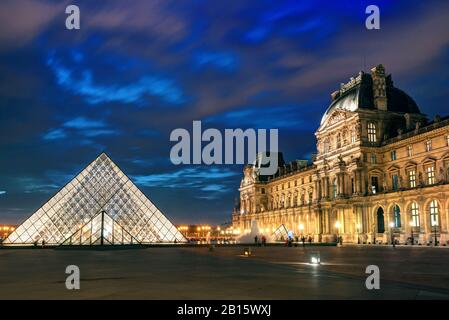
(381,172)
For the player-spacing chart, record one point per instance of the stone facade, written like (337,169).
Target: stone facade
(381,172)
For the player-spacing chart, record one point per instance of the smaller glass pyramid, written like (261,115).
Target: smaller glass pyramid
(281,233)
(101,205)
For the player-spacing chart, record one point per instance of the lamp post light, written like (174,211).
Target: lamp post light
(301,228)
(392,235)
(358,232)
(435,225)
(411,232)
(337,226)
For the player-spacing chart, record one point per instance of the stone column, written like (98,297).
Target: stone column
(316,190)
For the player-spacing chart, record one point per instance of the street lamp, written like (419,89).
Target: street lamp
(337,226)
(435,225)
(392,235)
(411,231)
(301,228)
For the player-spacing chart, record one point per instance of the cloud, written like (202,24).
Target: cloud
(225,61)
(55,134)
(260,118)
(23,20)
(83,84)
(81,126)
(36,185)
(212,181)
(84,123)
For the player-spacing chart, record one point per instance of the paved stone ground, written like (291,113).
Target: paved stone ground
(196,273)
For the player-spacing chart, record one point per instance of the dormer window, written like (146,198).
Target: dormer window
(372,132)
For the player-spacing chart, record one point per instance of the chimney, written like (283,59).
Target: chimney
(379,87)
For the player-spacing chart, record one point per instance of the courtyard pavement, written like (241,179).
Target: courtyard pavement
(197,273)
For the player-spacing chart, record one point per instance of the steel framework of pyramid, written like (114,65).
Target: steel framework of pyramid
(100,206)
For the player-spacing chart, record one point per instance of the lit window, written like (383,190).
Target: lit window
(353,137)
(410,151)
(415,214)
(397,216)
(372,132)
(430,171)
(428,145)
(412,178)
(434,211)
(393,155)
(373,158)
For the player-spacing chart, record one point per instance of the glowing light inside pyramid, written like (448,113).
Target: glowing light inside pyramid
(101,200)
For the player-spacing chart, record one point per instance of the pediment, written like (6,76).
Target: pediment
(411,164)
(393,168)
(429,160)
(336,116)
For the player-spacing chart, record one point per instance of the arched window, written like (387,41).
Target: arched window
(397,216)
(334,188)
(372,132)
(434,213)
(414,213)
(380,221)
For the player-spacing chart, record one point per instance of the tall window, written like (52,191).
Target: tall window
(395,182)
(338,141)
(397,216)
(410,151)
(429,145)
(430,171)
(393,155)
(353,137)
(414,214)
(434,211)
(374,184)
(372,132)
(373,158)
(412,178)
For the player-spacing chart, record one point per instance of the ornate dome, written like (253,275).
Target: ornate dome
(358,93)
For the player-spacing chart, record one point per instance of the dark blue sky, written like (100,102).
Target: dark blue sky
(139,69)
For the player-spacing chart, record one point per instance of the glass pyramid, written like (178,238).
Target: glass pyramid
(281,233)
(99,206)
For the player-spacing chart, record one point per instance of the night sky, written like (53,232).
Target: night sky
(136,70)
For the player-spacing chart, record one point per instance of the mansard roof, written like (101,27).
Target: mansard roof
(358,94)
